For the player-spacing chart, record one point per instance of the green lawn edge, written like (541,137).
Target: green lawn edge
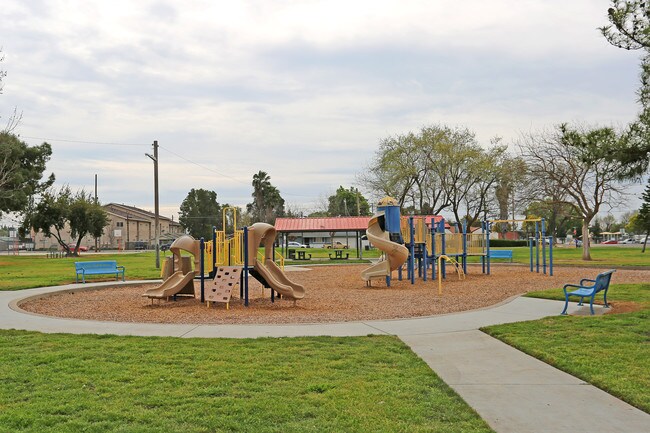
(609,351)
(62,382)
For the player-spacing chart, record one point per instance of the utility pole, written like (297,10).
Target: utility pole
(154,158)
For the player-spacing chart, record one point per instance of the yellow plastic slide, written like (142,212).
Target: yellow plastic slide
(395,254)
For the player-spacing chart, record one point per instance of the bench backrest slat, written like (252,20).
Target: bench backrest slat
(104,264)
(602,280)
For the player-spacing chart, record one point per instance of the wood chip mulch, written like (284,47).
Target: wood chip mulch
(333,294)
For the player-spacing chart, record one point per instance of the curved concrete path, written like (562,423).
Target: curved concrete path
(513,392)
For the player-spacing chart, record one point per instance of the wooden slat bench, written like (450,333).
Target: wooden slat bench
(588,289)
(97,268)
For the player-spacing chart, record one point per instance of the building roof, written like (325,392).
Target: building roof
(135,213)
(328,224)
(332,224)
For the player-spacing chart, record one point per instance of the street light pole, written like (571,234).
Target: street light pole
(154,158)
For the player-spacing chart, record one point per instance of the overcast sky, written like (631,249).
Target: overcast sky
(303,90)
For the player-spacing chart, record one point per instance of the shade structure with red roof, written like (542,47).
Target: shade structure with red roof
(325,224)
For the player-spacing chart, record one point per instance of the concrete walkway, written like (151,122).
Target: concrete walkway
(513,392)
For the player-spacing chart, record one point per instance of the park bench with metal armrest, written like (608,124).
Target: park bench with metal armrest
(588,289)
(97,268)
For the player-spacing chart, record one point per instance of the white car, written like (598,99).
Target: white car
(296,245)
(627,241)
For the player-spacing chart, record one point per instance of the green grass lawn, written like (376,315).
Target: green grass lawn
(602,256)
(71,383)
(27,271)
(610,351)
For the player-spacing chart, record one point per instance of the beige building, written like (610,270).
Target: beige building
(128,228)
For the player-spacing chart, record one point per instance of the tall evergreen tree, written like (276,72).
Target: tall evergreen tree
(199,212)
(643,219)
(267,203)
(630,29)
(21,171)
(348,202)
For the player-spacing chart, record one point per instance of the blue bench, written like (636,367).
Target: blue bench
(588,289)
(97,268)
(501,254)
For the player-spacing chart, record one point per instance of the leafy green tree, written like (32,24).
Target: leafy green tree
(566,160)
(348,202)
(643,218)
(560,217)
(199,212)
(510,182)
(630,29)
(57,210)
(437,168)
(21,171)
(267,203)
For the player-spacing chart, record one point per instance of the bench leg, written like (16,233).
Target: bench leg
(605,299)
(591,304)
(566,304)
(581,298)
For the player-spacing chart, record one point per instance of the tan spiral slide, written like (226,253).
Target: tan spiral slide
(395,254)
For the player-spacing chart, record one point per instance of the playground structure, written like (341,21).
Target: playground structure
(537,244)
(429,245)
(384,233)
(177,273)
(229,260)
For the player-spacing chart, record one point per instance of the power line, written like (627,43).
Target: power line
(108,143)
(85,141)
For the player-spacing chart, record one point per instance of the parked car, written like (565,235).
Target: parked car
(627,241)
(337,245)
(610,242)
(165,247)
(293,244)
(81,247)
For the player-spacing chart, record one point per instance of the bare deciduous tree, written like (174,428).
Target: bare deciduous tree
(564,160)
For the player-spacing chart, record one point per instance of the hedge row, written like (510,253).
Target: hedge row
(507,243)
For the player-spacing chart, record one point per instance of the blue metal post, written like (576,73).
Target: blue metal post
(543,246)
(214,248)
(443,264)
(246,267)
(202,243)
(537,246)
(487,246)
(412,250)
(465,247)
(530,246)
(433,250)
(550,254)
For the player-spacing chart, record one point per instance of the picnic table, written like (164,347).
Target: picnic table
(303,256)
(338,255)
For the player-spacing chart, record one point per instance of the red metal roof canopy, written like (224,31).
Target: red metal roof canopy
(332,224)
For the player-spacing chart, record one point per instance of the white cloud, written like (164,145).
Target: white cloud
(303,90)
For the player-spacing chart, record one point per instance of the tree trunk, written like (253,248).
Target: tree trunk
(585,240)
(645,241)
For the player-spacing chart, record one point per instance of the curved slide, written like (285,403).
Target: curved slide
(171,286)
(396,254)
(268,270)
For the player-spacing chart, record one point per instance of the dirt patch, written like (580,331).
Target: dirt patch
(333,294)
(619,307)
